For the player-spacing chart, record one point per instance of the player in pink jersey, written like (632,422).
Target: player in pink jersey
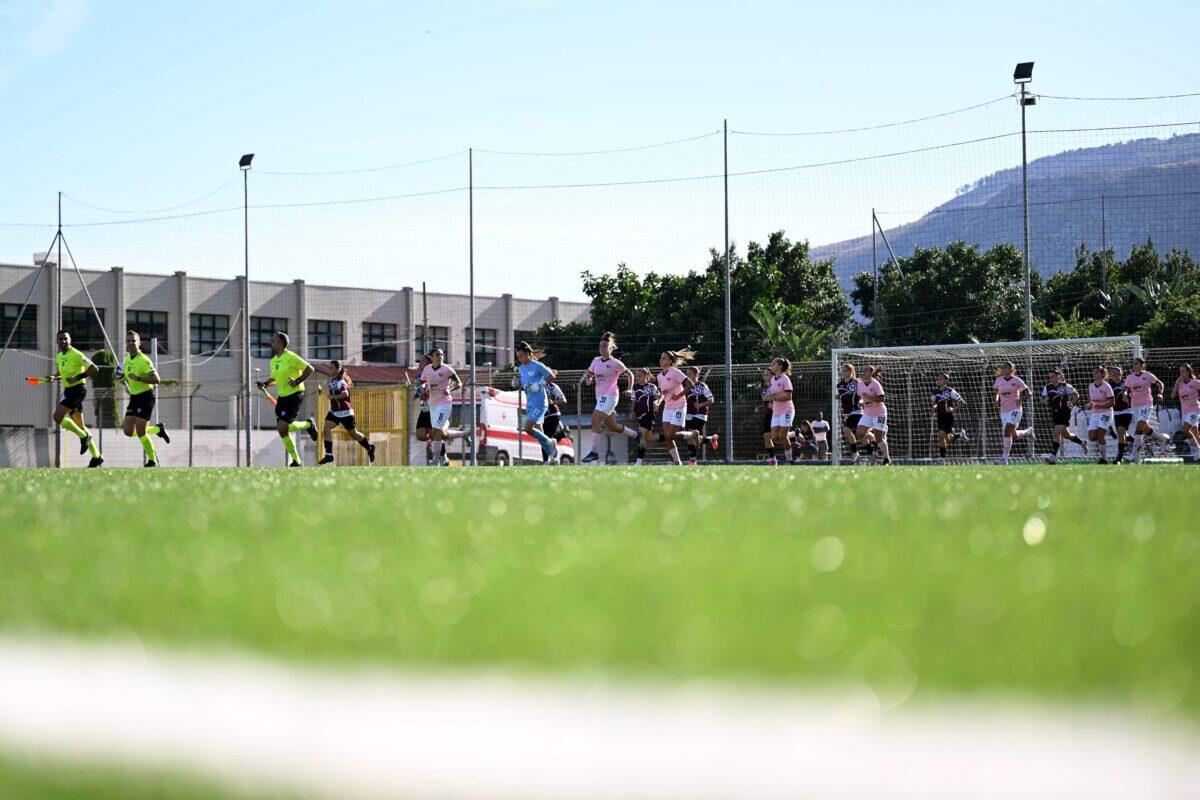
(1187,392)
(1011,392)
(1144,389)
(872,427)
(783,409)
(438,383)
(606,371)
(1100,405)
(674,386)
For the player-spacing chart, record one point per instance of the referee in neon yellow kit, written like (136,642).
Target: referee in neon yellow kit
(73,368)
(288,373)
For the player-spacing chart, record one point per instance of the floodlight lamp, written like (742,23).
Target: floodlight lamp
(244,163)
(1023,73)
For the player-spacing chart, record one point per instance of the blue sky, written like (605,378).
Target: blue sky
(140,105)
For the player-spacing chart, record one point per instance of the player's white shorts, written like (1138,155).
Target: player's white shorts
(439,416)
(1192,419)
(674,416)
(874,423)
(783,419)
(1142,414)
(1012,417)
(1099,420)
(606,403)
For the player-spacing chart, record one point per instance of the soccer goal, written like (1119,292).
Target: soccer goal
(911,375)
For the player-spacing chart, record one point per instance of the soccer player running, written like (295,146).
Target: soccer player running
(532,376)
(874,418)
(288,373)
(424,425)
(1122,413)
(72,368)
(140,379)
(675,385)
(1187,392)
(765,411)
(646,402)
(605,372)
(1060,396)
(699,402)
(1011,392)
(1143,387)
(946,402)
(783,409)
(439,382)
(1100,403)
(341,412)
(851,403)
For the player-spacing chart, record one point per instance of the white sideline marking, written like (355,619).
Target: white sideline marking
(259,725)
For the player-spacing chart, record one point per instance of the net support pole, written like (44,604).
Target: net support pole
(58,306)
(728,310)
(835,424)
(471,270)
(244,406)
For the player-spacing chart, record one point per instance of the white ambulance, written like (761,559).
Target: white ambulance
(499,437)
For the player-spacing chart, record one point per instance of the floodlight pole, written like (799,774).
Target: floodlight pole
(728,312)
(244,165)
(58,320)
(471,270)
(1025,216)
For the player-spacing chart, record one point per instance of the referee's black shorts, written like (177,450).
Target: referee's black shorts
(73,397)
(288,408)
(141,406)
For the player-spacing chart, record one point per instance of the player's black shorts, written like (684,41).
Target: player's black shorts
(423,420)
(1061,416)
(552,426)
(766,423)
(288,408)
(694,424)
(73,397)
(852,420)
(646,421)
(141,406)
(945,423)
(1123,419)
(346,422)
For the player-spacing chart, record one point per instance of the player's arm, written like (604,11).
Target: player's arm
(454,384)
(705,401)
(628,389)
(268,382)
(150,378)
(304,375)
(1175,391)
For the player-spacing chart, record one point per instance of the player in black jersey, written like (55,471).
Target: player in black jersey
(552,423)
(847,389)
(947,401)
(765,410)
(699,402)
(646,401)
(1122,413)
(341,412)
(1060,397)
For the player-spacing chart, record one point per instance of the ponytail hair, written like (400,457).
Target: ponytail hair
(680,357)
(535,354)
(1191,372)
(787,365)
(610,337)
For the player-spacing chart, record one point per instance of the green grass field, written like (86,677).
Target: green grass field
(1072,584)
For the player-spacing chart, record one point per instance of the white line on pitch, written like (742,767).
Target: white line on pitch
(270,726)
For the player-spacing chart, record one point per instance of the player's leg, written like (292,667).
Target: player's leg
(327,428)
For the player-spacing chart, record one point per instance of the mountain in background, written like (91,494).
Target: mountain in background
(1119,194)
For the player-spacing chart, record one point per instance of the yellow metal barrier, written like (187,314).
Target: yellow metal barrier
(381,412)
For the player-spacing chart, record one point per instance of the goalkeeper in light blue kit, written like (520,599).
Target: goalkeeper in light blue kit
(532,376)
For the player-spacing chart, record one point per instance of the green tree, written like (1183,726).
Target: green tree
(943,296)
(1176,322)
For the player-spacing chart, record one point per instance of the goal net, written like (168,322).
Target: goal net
(910,378)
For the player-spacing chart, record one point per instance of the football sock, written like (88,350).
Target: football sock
(153,430)
(630,432)
(299,426)
(1007,445)
(329,447)
(148,446)
(942,452)
(290,447)
(673,452)
(70,425)
(1054,445)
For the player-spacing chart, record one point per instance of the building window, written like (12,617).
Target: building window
(25,336)
(149,325)
(430,337)
(485,345)
(324,339)
(379,342)
(87,333)
(262,330)
(209,332)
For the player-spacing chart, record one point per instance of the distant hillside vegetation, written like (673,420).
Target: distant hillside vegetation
(1151,189)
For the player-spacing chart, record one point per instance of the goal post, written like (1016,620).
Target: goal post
(910,375)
